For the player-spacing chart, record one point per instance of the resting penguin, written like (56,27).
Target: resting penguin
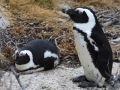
(36,55)
(92,46)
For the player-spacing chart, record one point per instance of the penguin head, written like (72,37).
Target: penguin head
(81,14)
(22,57)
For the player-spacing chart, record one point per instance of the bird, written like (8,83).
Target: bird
(36,55)
(92,46)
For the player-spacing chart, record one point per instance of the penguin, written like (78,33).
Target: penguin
(92,46)
(36,55)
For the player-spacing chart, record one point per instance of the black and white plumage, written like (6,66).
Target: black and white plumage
(36,55)
(92,46)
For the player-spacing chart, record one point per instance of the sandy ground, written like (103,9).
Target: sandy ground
(59,78)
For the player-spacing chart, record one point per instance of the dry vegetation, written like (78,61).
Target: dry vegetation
(32,19)
(104,3)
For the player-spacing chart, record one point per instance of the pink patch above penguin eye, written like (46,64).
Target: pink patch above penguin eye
(22,54)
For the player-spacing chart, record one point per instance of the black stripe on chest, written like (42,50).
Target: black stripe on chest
(30,69)
(90,47)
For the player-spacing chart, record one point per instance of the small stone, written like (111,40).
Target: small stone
(92,7)
(31,24)
(62,14)
(4,23)
(63,5)
(61,20)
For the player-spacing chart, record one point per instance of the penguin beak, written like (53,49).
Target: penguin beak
(16,62)
(64,11)
(14,56)
(68,11)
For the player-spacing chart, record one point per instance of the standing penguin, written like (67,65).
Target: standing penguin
(36,55)
(92,46)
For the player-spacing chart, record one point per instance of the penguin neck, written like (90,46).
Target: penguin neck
(83,26)
(30,63)
(86,27)
(29,54)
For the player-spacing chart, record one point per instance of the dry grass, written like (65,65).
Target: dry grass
(36,11)
(2,57)
(100,4)
(31,9)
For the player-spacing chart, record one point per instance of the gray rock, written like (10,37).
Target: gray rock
(62,14)
(59,78)
(4,23)
(63,5)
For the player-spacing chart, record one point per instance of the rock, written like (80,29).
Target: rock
(61,20)
(92,7)
(1,75)
(63,5)
(4,22)
(62,14)
(59,78)
(116,68)
(31,24)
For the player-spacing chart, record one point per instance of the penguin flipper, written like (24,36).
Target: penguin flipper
(103,61)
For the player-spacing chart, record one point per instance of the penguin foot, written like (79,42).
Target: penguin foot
(87,84)
(112,80)
(79,79)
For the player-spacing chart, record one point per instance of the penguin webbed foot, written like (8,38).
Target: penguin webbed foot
(113,80)
(80,79)
(87,84)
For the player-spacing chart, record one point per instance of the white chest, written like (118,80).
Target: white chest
(90,71)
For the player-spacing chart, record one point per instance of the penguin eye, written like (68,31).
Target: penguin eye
(15,56)
(77,11)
